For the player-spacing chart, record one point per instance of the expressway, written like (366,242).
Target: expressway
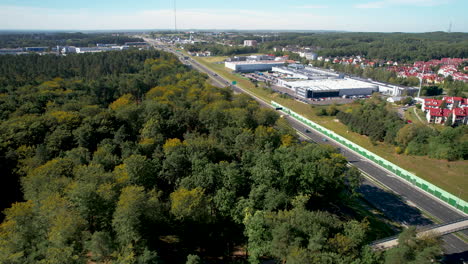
(397,199)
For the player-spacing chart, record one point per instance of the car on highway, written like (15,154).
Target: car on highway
(307,130)
(324,139)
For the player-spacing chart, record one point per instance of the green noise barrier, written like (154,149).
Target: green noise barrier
(452,200)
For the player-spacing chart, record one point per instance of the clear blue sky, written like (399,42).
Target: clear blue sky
(351,15)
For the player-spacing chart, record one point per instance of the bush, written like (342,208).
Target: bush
(322,112)
(398,150)
(332,110)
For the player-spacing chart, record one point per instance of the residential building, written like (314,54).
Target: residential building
(460,116)
(456,107)
(437,115)
(452,102)
(250,43)
(431,104)
(277,48)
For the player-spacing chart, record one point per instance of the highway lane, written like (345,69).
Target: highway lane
(397,209)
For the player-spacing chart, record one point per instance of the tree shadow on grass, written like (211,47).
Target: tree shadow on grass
(393,207)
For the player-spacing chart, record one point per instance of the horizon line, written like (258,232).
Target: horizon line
(227,30)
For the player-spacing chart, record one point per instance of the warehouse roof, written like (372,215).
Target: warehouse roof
(256,62)
(331,84)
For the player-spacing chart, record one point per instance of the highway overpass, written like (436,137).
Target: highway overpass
(436,230)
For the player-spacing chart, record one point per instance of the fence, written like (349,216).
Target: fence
(424,185)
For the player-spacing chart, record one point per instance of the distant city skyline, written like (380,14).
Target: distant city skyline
(341,15)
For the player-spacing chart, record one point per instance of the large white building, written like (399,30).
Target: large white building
(394,90)
(330,88)
(291,73)
(298,73)
(250,43)
(319,71)
(12,51)
(251,66)
(91,49)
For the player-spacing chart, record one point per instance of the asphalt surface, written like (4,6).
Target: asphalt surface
(397,199)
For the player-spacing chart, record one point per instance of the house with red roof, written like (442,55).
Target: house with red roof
(464,103)
(456,109)
(460,116)
(452,102)
(458,76)
(431,104)
(437,115)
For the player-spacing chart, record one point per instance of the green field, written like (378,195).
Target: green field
(450,176)
(411,115)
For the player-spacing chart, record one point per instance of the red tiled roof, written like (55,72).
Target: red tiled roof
(460,111)
(439,112)
(432,102)
(450,100)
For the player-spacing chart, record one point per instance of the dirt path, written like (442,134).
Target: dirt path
(414,110)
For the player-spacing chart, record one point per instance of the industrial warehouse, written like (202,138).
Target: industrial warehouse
(308,82)
(253,65)
(330,88)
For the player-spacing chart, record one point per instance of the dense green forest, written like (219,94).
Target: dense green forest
(14,40)
(220,50)
(131,157)
(375,118)
(401,47)
(397,46)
